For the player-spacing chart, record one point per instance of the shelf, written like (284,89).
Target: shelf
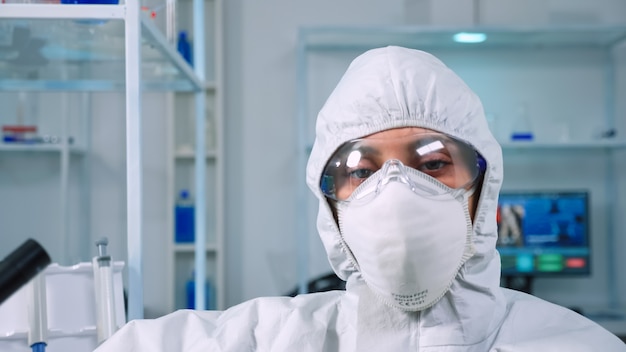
(39,148)
(190,248)
(525,145)
(83,54)
(600,144)
(184,172)
(433,37)
(190,154)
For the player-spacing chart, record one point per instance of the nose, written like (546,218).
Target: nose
(394,170)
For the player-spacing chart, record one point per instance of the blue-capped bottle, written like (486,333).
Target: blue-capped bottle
(184,46)
(190,291)
(184,218)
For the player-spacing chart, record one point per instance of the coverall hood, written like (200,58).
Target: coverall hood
(396,87)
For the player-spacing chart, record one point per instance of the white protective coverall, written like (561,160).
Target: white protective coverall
(387,88)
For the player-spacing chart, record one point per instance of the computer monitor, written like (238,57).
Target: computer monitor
(543,234)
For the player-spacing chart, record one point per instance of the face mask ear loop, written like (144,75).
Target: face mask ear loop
(465,194)
(342,241)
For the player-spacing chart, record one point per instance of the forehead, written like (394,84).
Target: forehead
(398,133)
(402,140)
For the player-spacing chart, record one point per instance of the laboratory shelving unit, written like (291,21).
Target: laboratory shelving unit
(196,153)
(104,48)
(335,46)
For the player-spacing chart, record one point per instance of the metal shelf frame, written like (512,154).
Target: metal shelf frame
(136,28)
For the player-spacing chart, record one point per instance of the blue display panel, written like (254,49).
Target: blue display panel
(544,233)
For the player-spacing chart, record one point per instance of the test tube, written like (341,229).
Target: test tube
(103,283)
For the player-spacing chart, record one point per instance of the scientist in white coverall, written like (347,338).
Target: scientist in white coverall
(407,175)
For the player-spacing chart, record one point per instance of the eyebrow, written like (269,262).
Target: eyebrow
(422,142)
(368,150)
(434,146)
(365,149)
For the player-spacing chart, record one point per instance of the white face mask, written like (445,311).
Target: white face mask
(408,247)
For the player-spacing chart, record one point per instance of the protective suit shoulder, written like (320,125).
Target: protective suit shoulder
(264,324)
(533,324)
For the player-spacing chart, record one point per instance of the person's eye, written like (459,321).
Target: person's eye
(434,165)
(360,173)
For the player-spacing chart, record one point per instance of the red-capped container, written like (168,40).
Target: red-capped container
(19,133)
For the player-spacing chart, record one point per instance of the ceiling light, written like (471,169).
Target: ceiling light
(468,37)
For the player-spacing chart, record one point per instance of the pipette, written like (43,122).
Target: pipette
(38,314)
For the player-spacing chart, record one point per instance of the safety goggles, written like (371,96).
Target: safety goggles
(429,156)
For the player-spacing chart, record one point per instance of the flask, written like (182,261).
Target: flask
(184,218)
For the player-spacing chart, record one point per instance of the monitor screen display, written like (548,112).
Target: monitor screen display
(543,233)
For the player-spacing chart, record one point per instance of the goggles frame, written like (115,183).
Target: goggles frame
(453,162)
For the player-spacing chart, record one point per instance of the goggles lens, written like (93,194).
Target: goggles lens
(452,162)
